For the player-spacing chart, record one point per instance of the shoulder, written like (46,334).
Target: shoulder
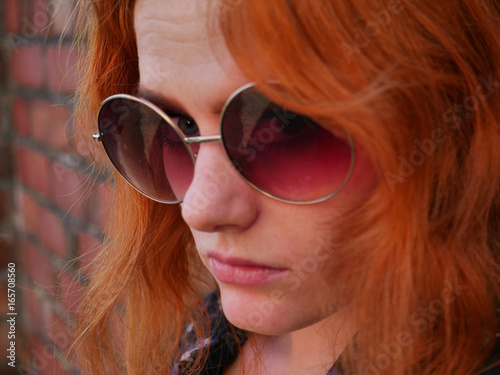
(221,341)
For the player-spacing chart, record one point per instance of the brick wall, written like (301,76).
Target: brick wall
(50,219)
(7,232)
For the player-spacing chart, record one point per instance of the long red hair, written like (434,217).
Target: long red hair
(417,84)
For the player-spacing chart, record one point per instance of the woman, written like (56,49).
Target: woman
(337,165)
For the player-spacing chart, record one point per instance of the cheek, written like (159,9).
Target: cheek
(304,239)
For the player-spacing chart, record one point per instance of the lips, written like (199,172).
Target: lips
(243,272)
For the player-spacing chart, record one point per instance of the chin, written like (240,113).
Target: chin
(256,312)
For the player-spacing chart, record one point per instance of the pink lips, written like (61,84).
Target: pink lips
(237,271)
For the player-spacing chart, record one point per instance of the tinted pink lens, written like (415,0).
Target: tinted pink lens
(282,153)
(145,149)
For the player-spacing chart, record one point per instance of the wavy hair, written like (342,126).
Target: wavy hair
(417,84)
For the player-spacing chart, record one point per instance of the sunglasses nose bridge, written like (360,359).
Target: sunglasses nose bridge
(191,141)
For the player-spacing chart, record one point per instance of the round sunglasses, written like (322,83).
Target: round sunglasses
(284,155)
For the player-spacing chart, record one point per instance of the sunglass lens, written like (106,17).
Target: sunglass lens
(145,149)
(284,154)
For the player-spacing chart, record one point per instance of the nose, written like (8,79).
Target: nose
(218,197)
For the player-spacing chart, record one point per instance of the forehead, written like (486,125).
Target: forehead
(173,30)
(179,54)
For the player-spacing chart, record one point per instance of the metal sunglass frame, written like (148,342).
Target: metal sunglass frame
(187,141)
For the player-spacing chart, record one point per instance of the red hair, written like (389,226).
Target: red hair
(417,86)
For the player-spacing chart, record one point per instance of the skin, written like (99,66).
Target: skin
(179,60)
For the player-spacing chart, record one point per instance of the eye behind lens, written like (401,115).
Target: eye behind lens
(187,125)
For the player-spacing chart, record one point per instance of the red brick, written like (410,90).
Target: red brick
(71,292)
(40,17)
(55,327)
(82,147)
(102,204)
(5,204)
(79,146)
(23,357)
(11,15)
(3,297)
(39,268)
(87,250)
(61,12)
(69,188)
(33,169)
(51,232)
(7,251)
(20,116)
(29,212)
(61,68)
(31,304)
(9,370)
(5,161)
(26,66)
(22,253)
(48,122)
(43,361)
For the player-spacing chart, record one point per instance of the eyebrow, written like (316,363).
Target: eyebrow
(172,105)
(165,103)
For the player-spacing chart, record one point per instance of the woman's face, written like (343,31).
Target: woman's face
(272,261)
